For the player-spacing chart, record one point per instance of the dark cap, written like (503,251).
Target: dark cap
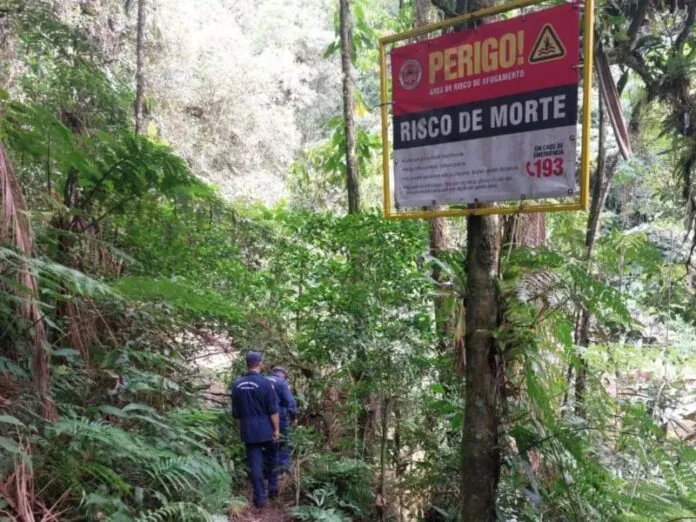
(280,369)
(253,358)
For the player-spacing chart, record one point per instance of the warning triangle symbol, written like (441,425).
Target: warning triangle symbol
(548,46)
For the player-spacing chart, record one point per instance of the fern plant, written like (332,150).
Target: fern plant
(318,514)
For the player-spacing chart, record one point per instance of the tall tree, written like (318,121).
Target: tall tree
(480,471)
(16,231)
(420,12)
(363,447)
(139,68)
(525,230)
(438,241)
(602,180)
(609,104)
(480,447)
(444,323)
(352,174)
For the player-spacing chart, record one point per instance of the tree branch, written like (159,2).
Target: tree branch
(97,186)
(621,84)
(217,394)
(612,100)
(109,211)
(638,65)
(637,23)
(688,26)
(442,6)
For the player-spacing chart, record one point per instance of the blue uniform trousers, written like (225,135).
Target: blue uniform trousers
(261,458)
(284,448)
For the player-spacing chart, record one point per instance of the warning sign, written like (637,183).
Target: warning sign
(547,47)
(488,115)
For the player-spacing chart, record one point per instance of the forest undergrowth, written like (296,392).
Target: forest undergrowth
(129,289)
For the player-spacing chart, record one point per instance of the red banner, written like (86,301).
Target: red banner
(529,53)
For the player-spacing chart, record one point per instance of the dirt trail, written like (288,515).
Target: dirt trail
(274,511)
(267,514)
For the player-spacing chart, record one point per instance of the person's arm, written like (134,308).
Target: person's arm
(273,409)
(275,420)
(281,389)
(292,405)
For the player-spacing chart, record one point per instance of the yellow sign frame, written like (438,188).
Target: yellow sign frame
(522,208)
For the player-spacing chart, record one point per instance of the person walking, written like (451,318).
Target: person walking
(255,405)
(288,413)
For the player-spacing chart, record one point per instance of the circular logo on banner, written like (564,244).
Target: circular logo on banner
(410,74)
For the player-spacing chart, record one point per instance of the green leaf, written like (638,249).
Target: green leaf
(112,410)
(10,445)
(331,49)
(9,419)
(134,406)
(66,352)
(359,12)
(437,388)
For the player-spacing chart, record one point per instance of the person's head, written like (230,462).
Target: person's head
(254,360)
(279,371)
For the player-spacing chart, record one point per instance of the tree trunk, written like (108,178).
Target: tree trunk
(384,432)
(420,12)
(444,323)
(596,206)
(480,448)
(352,175)
(139,66)
(581,379)
(353,187)
(399,467)
(16,231)
(443,304)
(525,230)
(480,471)
(600,190)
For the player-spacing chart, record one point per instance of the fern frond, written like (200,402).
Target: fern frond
(15,229)
(108,476)
(536,285)
(185,474)
(317,514)
(184,511)
(84,431)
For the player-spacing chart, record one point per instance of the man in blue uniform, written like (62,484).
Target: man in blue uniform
(255,404)
(288,412)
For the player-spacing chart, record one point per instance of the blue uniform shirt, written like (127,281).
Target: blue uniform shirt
(253,403)
(288,406)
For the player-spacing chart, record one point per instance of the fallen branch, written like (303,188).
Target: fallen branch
(690,433)
(217,394)
(612,101)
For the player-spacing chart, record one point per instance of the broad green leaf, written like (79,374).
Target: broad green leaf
(9,419)
(112,410)
(437,388)
(66,352)
(9,445)
(135,407)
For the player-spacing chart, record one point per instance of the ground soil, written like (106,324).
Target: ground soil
(273,511)
(269,513)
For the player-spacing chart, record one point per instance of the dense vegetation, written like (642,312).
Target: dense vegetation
(129,261)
